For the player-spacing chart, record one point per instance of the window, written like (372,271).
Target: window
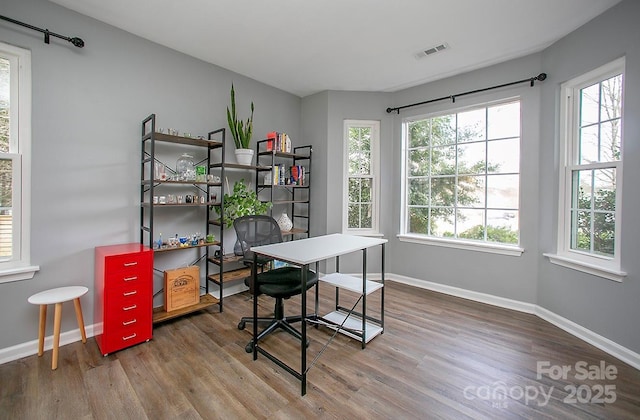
(462,178)
(361,177)
(591,172)
(15,165)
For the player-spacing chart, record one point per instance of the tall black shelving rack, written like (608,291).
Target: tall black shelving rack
(299,196)
(150,138)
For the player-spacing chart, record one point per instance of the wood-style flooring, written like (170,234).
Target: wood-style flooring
(439,357)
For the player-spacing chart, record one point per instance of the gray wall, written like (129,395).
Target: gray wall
(606,307)
(323,115)
(87,107)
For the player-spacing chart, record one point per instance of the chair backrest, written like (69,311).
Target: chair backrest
(256,230)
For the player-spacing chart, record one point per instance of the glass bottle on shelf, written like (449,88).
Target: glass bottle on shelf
(185,168)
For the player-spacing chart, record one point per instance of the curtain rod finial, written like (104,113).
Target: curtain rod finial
(78,42)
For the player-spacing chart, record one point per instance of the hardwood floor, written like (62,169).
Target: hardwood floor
(439,357)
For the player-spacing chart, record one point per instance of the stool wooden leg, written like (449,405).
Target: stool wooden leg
(56,335)
(41,328)
(76,303)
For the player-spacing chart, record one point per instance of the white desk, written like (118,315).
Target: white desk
(304,252)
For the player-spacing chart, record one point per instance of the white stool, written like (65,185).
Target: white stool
(57,297)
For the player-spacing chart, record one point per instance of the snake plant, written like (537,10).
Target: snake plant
(240,130)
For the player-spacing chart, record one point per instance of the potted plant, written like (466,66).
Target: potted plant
(241,131)
(242,202)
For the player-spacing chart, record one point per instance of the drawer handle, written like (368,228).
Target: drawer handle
(131,278)
(133,321)
(130,293)
(130,264)
(128,308)
(130,337)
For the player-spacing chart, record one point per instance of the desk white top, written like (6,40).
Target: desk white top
(318,248)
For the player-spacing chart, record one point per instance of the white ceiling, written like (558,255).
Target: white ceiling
(307,46)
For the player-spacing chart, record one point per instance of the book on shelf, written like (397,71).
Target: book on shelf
(294,175)
(280,142)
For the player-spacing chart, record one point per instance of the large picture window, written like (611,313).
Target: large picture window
(462,175)
(361,175)
(15,154)
(591,172)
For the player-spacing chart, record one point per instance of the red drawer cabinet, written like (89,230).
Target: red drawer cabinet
(123,304)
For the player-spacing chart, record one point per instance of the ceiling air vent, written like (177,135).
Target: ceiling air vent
(432,50)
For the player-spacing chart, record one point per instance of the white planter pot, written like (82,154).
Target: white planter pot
(244,156)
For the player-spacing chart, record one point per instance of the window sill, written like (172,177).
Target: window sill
(514,251)
(16,274)
(593,269)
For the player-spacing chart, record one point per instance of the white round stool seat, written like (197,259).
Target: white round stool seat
(58,295)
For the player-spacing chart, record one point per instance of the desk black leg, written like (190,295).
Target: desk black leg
(303,343)
(254,275)
(364,297)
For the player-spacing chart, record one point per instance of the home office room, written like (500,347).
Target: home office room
(430,220)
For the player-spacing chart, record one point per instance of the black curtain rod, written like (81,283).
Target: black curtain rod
(531,80)
(78,42)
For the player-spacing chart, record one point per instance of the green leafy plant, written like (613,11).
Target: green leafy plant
(240,130)
(243,202)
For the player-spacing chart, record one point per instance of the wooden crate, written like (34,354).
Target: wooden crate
(181,288)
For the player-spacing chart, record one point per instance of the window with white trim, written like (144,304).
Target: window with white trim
(462,177)
(15,165)
(591,171)
(361,177)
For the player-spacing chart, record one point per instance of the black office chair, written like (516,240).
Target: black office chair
(279,283)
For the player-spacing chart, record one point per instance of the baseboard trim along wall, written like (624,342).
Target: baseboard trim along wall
(614,349)
(31,347)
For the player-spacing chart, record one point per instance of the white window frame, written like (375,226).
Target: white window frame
(375,176)
(457,243)
(601,266)
(19,267)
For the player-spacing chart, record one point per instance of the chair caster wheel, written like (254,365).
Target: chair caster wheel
(249,347)
(241,325)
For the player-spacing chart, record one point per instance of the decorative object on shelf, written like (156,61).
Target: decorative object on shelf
(185,168)
(242,202)
(285,222)
(182,287)
(241,131)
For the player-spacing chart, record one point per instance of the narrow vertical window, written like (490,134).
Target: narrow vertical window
(361,186)
(15,154)
(591,172)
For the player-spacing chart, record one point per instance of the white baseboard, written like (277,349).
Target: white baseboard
(614,349)
(31,347)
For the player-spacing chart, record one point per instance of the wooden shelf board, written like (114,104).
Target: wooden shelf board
(293,231)
(160,315)
(283,186)
(187,247)
(347,282)
(169,181)
(283,154)
(181,204)
(228,165)
(229,276)
(229,258)
(168,138)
